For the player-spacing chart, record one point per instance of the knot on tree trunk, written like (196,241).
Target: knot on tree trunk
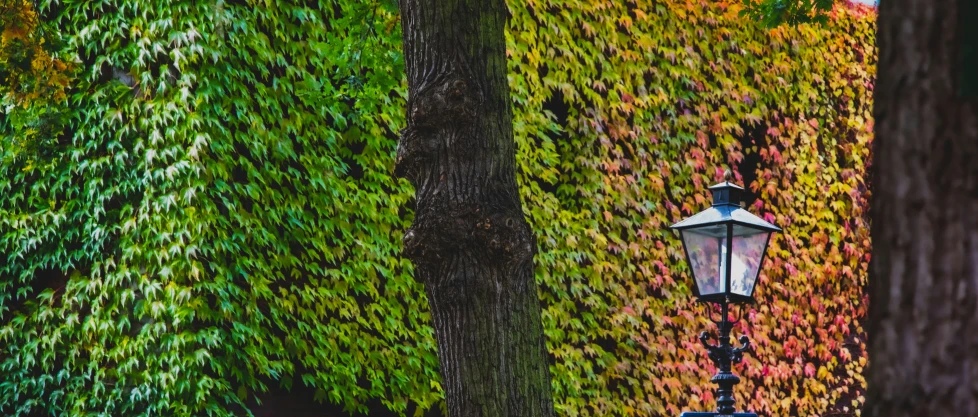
(501,237)
(446,105)
(412,153)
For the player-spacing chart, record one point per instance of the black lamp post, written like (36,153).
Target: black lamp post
(725,247)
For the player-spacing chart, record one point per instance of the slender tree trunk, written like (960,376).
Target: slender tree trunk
(470,244)
(923,322)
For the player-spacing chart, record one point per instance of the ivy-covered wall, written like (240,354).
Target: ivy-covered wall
(218,216)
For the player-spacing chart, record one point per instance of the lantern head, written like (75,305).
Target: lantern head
(725,247)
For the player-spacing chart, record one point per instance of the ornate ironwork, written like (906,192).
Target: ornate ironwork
(724,355)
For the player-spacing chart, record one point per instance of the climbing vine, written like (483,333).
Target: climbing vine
(216,215)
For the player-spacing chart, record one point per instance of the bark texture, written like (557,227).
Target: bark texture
(470,243)
(923,324)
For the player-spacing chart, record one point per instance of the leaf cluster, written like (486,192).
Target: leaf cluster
(218,216)
(645,105)
(773,13)
(28,70)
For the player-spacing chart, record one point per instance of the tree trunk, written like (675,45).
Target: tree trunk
(923,322)
(470,244)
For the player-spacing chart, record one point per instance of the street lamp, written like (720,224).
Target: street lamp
(724,248)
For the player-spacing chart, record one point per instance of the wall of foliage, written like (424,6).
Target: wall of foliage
(210,214)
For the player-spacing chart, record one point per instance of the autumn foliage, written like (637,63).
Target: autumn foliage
(219,218)
(659,99)
(28,71)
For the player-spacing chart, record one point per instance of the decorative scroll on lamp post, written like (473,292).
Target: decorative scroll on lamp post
(725,247)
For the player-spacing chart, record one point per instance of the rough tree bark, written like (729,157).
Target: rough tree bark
(923,321)
(470,243)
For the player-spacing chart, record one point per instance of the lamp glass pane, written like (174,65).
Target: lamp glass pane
(704,246)
(745,262)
